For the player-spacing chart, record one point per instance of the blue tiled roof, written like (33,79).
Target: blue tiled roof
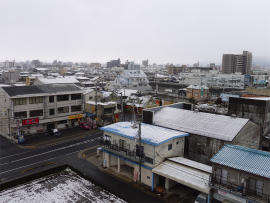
(245,159)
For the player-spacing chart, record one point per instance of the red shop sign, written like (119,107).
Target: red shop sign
(30,121)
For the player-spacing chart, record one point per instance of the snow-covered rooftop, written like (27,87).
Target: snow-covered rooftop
(100,103)
(41,69)
(65,186)
(123,80)
(185,175)
(150,134)
(106,94)
(82,78)
(205,124)
(193,164)
(139,101)
(135,73)
(37,75)
(126,92)
(58,80)
(257,98)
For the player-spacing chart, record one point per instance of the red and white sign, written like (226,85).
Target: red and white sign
(30,121)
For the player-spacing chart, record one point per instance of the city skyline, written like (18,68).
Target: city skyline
(164,32)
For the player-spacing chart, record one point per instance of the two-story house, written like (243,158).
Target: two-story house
(241,174)
(121,147)
(33,109)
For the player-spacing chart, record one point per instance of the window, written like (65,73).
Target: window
(221,176)
(256,186)
(51,112)
(76,96)
(62,122)
(64,97)
(51,99)
(22,114)
(169,147)
(76,108)
(148,160)
(177,143)
(19,101)
(34,100)
(90,98)
(63,109)
(121,144)
(35,113)
(109,110)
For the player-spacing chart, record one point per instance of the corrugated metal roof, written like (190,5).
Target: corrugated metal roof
(245,159)
(41,89)
(205,124)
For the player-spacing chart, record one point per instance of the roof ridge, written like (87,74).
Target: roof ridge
(257,151)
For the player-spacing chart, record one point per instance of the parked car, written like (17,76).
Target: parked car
(84,126)
(201,198)
(54,132)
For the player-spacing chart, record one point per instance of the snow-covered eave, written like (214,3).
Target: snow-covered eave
(44,94)
(143,140)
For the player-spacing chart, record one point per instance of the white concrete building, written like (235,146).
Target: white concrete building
(225,80)
(120,147)
(132,79)
(33,109)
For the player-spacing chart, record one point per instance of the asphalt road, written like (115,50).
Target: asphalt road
(14,159)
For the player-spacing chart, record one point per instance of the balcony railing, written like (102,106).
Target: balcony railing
(218,182)
(122,151)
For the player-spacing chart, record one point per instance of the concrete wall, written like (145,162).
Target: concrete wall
(256,110)
(249,136)
(202,149)
(146,177)
(163,152)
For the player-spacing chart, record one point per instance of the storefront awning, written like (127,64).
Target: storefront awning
(186,175)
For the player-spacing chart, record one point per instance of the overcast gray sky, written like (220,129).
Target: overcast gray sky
(175,31)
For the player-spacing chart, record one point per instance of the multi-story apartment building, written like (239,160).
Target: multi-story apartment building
(33,109)
(9,64)
(225,81)
(145,63)
(232,63)
(113,63)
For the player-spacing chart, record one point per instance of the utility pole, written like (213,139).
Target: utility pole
(140,155)
(122,106)
(8,123)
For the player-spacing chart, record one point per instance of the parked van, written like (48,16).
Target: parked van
(202,198)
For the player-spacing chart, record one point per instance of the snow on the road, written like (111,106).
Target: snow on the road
(65,186)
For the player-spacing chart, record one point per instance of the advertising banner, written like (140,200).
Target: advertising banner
(21,139)
(30,121)
(75,116)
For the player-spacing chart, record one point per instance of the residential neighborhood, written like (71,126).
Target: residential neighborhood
(135,101)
